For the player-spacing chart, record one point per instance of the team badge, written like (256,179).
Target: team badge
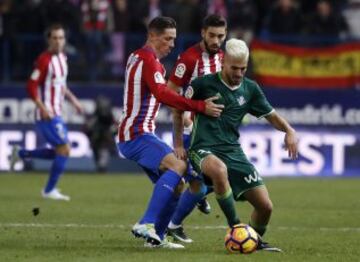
(180,70)
(189,92)
(241,100)
(35,74)
(159,79)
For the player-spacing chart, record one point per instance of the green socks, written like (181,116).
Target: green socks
(227,205)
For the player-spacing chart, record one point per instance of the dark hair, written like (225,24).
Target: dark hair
(214,20)
(160,23)
(53,27)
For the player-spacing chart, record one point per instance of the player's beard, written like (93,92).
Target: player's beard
(234,81)
(210,51)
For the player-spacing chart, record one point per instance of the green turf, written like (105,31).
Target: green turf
(313,220)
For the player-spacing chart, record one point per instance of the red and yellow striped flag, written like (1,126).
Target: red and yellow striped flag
(280,65)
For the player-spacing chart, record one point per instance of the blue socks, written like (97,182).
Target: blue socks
(57,169)
(43,153)
(186,204)
(165,216)
(161,197)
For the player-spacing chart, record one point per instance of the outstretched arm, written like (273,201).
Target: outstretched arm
(291,140)
(157,85)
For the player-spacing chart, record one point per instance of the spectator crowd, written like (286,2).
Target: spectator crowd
(101,33)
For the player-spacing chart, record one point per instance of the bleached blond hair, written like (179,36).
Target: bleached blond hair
(237,48)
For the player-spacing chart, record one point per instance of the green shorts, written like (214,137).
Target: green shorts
(242,174)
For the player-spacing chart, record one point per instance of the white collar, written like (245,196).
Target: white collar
(232,88)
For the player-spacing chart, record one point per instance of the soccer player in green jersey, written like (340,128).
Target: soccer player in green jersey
(215,150)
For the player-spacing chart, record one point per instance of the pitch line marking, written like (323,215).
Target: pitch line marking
(74,225)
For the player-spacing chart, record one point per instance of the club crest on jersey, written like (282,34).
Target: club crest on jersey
(180,70)
(159,79)
(189,92)
(241,100)
(132,60)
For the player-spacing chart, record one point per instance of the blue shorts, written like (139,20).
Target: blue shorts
(147,151)
(54,131)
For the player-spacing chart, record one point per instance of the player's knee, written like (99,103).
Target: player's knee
(220,172)
(222,169)
(63,150)
(179,167)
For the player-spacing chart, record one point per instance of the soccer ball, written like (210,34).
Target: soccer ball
(241,238)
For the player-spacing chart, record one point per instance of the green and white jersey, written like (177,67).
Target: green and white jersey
(223,132)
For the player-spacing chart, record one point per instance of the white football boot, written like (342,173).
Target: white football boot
(146,231)
(164,244)
(55,195)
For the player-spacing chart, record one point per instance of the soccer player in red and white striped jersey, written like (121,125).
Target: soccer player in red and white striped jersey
(200,59)
(145,88)
(47,88)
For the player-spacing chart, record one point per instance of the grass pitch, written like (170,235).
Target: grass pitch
(313,220)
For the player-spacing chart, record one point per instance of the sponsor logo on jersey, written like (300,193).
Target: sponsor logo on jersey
(35,74)
(241,100)
(159,79)
(180,70)
(189,92)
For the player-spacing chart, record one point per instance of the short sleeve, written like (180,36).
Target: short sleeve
(40,68)
(153,73)
(259,106)
(181,74)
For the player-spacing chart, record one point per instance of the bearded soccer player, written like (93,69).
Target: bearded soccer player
(145,88)
(47,88)
(201,59)
(215,150)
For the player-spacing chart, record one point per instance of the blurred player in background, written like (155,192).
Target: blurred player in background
(201,59)
(47,88)
(145,88)
(215,150)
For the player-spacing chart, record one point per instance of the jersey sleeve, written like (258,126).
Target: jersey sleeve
(181,74)
(156,82)
(37,76)
(193,90)
(260,106)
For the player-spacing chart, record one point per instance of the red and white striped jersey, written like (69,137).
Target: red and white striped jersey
(140,105)
(195,62)
(192,63)
(144,89)
(48,81)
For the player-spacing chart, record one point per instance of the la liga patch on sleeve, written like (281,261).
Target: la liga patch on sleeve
(159,79)
(180,70)
(189,92)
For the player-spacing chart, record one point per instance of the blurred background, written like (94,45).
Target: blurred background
(304,53)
